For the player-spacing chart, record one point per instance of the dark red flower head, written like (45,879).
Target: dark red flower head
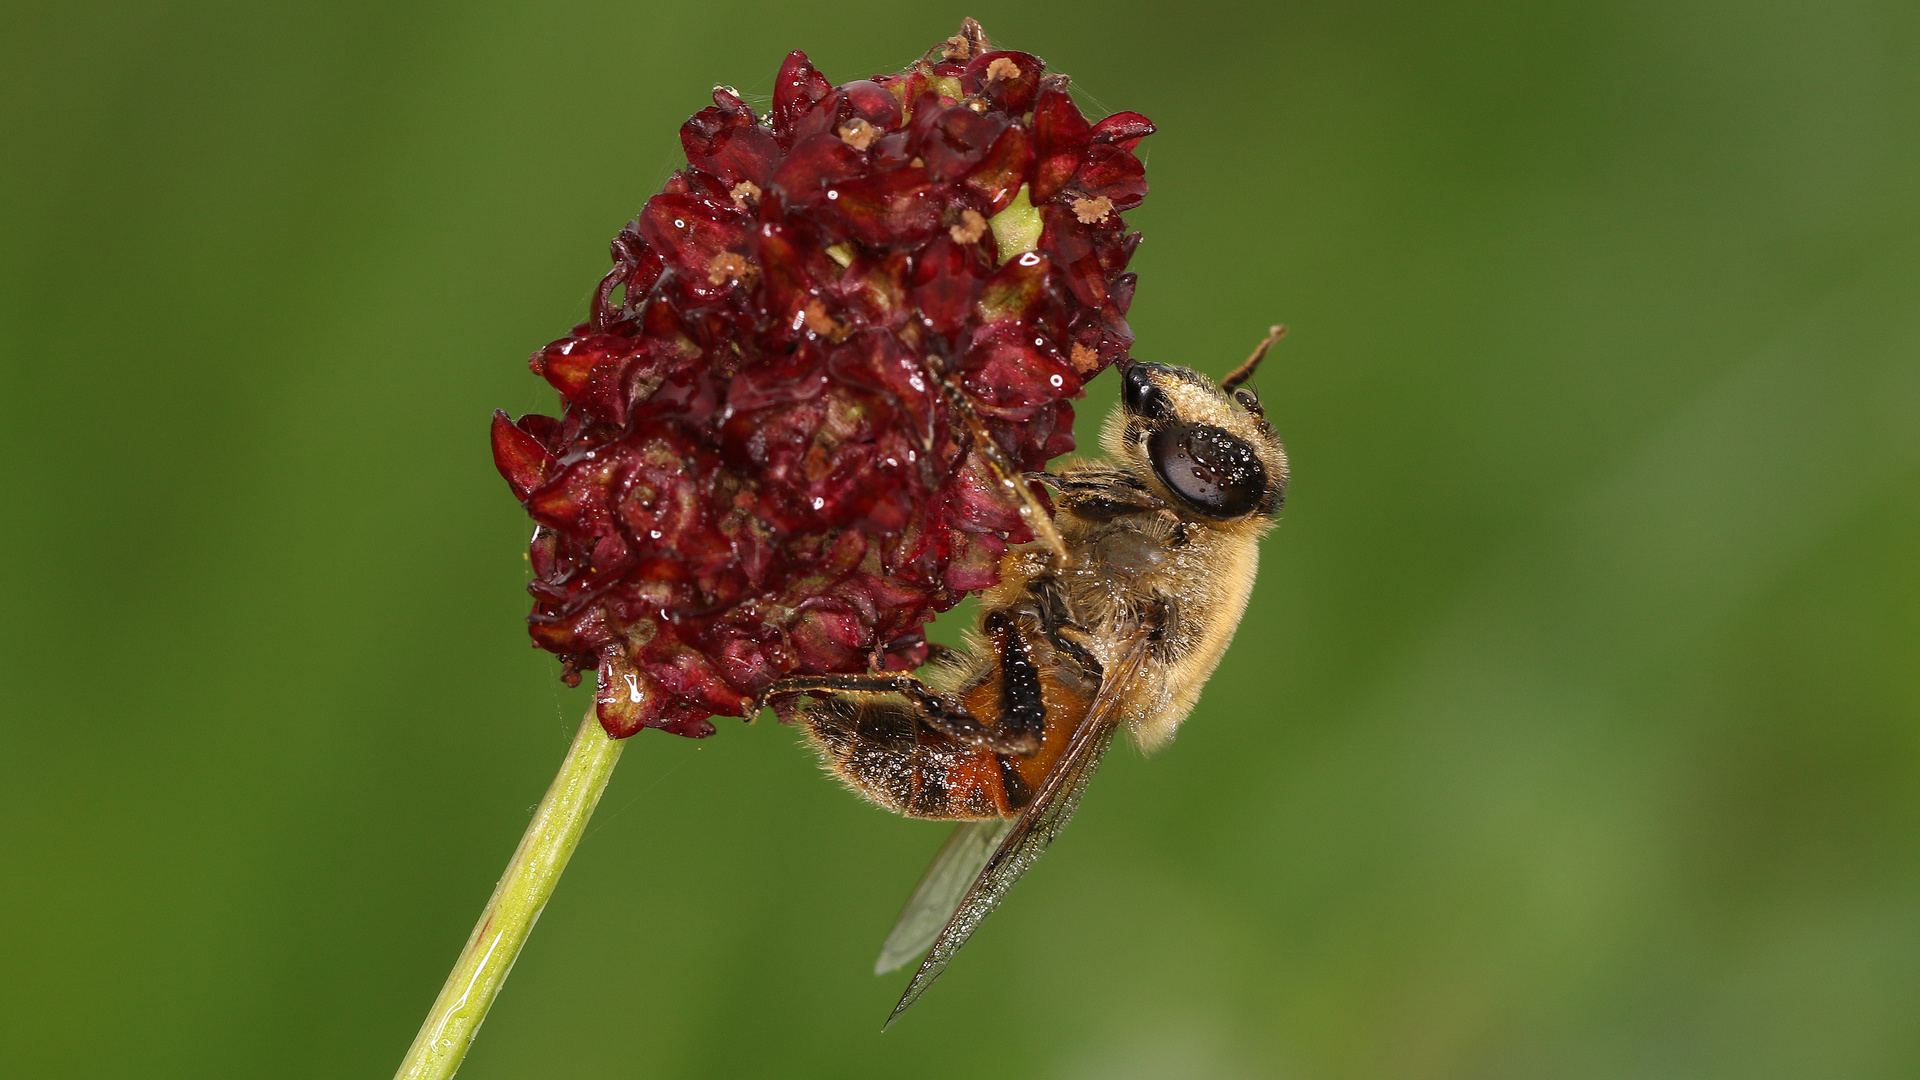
(765,465)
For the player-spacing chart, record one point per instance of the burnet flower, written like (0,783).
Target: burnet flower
(822,353)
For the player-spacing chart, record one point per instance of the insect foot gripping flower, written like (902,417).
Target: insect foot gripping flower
(796,421)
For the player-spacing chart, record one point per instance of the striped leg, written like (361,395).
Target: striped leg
(1017,728)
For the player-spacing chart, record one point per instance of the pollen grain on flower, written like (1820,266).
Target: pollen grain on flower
(1002,68)
(971,228)
(858,133)
(1092,210)
(759,469)
(728,266)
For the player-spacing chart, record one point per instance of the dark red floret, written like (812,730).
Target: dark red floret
(757,472)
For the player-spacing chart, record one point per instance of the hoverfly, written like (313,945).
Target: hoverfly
(1115,617)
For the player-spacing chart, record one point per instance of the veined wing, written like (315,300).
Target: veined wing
(938,895)
(1035,828)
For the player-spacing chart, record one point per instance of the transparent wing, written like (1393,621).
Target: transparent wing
(1034,829)
(940,891)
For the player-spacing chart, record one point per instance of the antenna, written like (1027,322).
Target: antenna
(1245,371)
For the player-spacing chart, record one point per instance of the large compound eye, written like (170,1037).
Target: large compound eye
(1138,394)
(1215,473)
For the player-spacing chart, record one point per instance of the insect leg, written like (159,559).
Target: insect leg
(1101,494)
(1012,479)
(1023,711)
(1055,622)
(942,713)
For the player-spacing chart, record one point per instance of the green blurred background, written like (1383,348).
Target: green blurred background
(1574,730)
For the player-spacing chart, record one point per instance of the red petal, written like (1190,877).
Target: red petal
(686,721)
(1088,280)
(927,114)
(742,153)
(960,141)
(816,163)
(873,290)
(1013,93)
(1010,371)
(1114,173)
(544,428)
(625,699)
(698,133)
(688,677)
(582,630)
(873,102)
(892,151)
(980,503)
(976,562)
(1064,235)
(569,362)
(946,279)
(877,360)
(691,232)
(792,270)
(1004,168)
(1060,138)
(795,90)
(824,118)
(745,662)
(828,637)
(605,394)
(519,456)
(1054,430)
(886,208)
(779,380)
(663,499)
(576,500)
(1015,290)
(1123,128)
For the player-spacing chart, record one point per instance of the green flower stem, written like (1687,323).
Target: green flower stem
(514,907)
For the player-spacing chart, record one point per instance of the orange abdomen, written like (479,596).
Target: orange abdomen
(882,749)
